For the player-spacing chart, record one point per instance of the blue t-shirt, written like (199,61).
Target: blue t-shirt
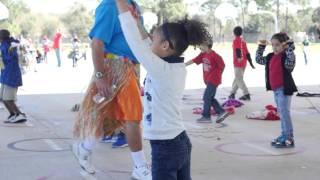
(107,28)
(11,74)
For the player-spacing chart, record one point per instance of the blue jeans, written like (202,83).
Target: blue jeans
(58,56)
(171,158)
(209,100)
(283,106)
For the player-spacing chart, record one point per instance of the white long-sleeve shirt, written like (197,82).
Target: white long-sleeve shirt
(164,86)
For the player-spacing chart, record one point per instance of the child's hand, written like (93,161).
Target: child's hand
(263,42)
(286,44)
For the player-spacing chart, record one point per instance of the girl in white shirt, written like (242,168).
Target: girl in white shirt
(165,82)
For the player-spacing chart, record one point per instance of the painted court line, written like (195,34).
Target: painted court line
(262,149)
(52,144)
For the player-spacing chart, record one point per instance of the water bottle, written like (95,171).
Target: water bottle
(98,98)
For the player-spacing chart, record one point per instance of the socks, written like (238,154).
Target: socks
(89,144)
(139,158)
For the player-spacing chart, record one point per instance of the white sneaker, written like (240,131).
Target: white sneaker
(19,118)
(83,157)
(142,173)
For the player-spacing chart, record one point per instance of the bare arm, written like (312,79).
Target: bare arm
(97,55)
(189,63)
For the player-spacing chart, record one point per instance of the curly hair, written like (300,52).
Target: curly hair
(182,33)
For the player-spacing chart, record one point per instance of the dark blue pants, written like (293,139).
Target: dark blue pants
(171,158)
(209,100)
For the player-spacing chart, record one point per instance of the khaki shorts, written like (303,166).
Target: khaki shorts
(8,93)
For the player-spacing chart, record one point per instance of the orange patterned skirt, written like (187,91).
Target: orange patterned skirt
(124,104)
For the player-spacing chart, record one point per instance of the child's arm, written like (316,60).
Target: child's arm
(290,61)
(260,59)
(248,56)
(140,48)
(197,60)
(189,62)
(250,60)
(220,63)
(238,54)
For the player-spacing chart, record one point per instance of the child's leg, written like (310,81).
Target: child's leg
(171,158)
(13,107)
(240,81)
(235,86)
(207,100)
(8,107)
(215,104)
(185,172)
(9,94)
(283,105)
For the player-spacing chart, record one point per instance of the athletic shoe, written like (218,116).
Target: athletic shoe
(204,120)
(84,157)
(245,97)
(232,96)
(121,141)
(287,143)
(19,118)
(9,118)
(278,139)
(142,173)
(109,139)
(222,117)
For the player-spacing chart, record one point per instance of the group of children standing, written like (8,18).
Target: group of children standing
(278,68)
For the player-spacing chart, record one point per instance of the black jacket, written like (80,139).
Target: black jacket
(288,64)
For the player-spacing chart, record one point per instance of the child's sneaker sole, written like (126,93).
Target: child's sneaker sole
(285,144)
(223,117)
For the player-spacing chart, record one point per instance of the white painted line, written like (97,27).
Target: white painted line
(52,144)
(260,148)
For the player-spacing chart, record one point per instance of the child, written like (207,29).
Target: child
(213,67)
(240,57)
(11,77)
(165,82)
(46,48)
(279,66)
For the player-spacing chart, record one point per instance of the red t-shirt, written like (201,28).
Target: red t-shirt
(239,43)
(276,72)
(56,41)
(213,67)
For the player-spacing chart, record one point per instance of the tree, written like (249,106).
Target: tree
(18,10)
(166,10)
(210,7)
(316,16)
(78,21)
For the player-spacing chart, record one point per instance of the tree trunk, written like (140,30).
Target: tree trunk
(278,11)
